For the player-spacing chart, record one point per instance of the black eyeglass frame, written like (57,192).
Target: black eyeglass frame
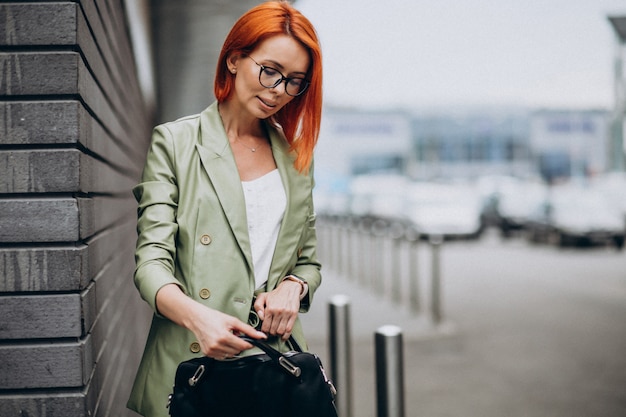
(282,78)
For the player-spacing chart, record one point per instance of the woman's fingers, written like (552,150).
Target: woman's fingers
(278,309)
(218,334)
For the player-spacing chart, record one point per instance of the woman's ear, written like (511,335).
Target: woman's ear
(232,61)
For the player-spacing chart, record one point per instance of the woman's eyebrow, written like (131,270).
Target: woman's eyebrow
(280,67)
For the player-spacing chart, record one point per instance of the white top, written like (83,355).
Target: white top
(265,207)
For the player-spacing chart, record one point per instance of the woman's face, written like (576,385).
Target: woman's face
(281,53)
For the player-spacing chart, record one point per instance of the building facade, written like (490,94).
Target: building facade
(617,156)
(469,144)
(78,99)
(570,143)
(356,142)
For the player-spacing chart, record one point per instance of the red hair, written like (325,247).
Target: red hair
(300,118)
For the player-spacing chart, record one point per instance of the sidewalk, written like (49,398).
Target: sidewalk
(530,345)
(367,314)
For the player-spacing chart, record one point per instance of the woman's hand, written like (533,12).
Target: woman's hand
(278,309)
(216,332)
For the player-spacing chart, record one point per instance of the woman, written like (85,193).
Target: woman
(226,220)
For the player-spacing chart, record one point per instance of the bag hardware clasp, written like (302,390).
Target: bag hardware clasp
(331,386)
(290,367)
(196,376)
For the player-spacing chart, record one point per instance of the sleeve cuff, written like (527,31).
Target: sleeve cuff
(304,286)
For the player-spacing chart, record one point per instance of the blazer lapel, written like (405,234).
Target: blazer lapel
(297,187)
(219,163)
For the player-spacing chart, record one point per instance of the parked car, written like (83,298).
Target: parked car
(613,186)
(449,211)
(576,216)
(490,187)
(378,196)
(515,204)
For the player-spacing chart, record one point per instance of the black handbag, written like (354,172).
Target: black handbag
(272,384)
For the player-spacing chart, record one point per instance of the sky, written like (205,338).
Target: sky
(466,53)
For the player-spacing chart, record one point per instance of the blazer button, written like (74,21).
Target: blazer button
(205,293)
(194,347)
(205,239)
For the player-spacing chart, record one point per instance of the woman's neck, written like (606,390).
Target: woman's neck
(236,124)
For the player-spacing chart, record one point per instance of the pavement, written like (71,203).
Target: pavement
(367,316)
(523,346)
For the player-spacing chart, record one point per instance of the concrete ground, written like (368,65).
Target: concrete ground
(514,344)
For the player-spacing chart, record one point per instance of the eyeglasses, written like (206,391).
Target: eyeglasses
(270,77)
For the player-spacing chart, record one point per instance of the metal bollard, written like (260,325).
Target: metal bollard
(342,243)
(345,250)
(389,372)
(364,255)
(396,270)
(340,352)
(435,242)
(414,276)
(397,236)
(334,246)
(354,260)
(379,231)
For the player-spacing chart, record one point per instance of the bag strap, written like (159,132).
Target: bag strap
(277,357)
(295,345)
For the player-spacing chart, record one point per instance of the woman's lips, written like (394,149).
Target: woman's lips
(267,103)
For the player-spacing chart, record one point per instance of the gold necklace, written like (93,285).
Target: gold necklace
(246,146)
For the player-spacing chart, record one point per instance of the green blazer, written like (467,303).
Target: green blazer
(193,232)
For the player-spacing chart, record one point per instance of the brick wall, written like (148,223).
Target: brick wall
(74,129)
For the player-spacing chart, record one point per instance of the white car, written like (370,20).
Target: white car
(576,216)
(378,196)
(449,211)
(515,204)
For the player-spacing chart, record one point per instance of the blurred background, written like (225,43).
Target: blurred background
(470,192)
(496,127)
(504,101)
